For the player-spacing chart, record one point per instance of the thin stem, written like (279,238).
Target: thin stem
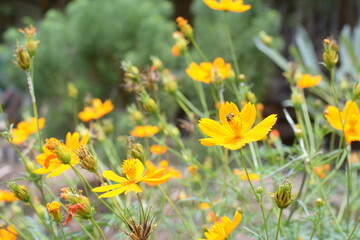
(278,224)
(263,216)
(192,40)
(226,153)
(98,227)
(232,49)
(354,228)
(43,221)
(62,231)
(176,210)
(141,205)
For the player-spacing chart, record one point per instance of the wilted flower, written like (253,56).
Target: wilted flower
(20,191)
(283,196)
(87,160)
(22,56)
(53,209)
(235,130)
(142,230)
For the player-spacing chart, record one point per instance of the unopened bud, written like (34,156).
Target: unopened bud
(356,91)
(150,105)
(63,154)
(297,99)
(250,97)
(330,55)
(22,58)
(185,27)
(242,77)
(282,196)
(260,190)
(319,202)
(20,191)
(135,150)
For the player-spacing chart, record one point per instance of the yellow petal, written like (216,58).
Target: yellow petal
(113,193)
(260,130)
(59,170)
(225,110)
(350,108)
(108,174)
(332,114)
(133,187)
(248,115)
(213,4)
(213,128)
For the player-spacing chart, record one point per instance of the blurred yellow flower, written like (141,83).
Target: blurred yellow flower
(52,160)
(227,5)
(234,130)
(307,80)
(222,228)
(347,121)
(158,149)
(96,110)
(134,172)
(144,131)
(204,206)
(24,129)
(208,72)
(7,196)
(242,175)
(163,164)
(8,234)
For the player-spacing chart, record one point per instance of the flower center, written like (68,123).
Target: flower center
(129,167)
(235,122)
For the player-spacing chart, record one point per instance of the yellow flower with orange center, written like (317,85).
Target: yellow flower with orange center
(208,72)
(307,80)
(234,130)
(221,229)
(96,110)
(158,149)
(8,234)
(144,131)
(134,172)
(163,164)
(347,121)
(7,196)
(24,129)
(227,5)
(54,153)
(242,175)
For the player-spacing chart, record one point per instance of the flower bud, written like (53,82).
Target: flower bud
(72,90)
(330,54)
(265,38)
(319,202)
(20,191)
(185,27)
(242,77)
(260,190)
(31,47)
(297,99)
(169,82)
(250,97)
(22,58)
(356,91)
(135,150)
(149,104)
(63,154)
(282,196)
(54,210)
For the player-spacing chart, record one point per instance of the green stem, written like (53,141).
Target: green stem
(192,40)
(278,224)
(43,221)
(226,153)
(354,228)
(176,210)
(98,227)
(141,205)
(232,49)
(62,231)
(263,216)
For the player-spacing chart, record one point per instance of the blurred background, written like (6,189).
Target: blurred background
(82,42)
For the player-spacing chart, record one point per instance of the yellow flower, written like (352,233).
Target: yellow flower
(7,196)
(96,110)
(158,149)
(242,175)
(222,228)
(227,5)
(54,151)
(24,129)
(208,72)
(53,209)
(306,80)
(347,121)
(163,164)
(134,172)
(234,130)
(8,234)
(144,131)
(204,206)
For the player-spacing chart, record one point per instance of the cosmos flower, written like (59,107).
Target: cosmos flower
(234,130)
(144,131)
(227,5)
(96,110)
(306,81)
(24,129)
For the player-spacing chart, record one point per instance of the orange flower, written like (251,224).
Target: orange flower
(175,51)
(208,72)
(134,172)
(158,149)
(163,164)
(7,196)
(204,206)
(56,154)
(234,130)
(322,170)
(8,234)
(144,131)
(306,80)
(96,110)
(347,121)
(227,5)
(24,129)
(53,209)
(222,228)
(242,175)
(193,169)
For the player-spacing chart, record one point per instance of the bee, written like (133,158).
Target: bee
(230,116)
